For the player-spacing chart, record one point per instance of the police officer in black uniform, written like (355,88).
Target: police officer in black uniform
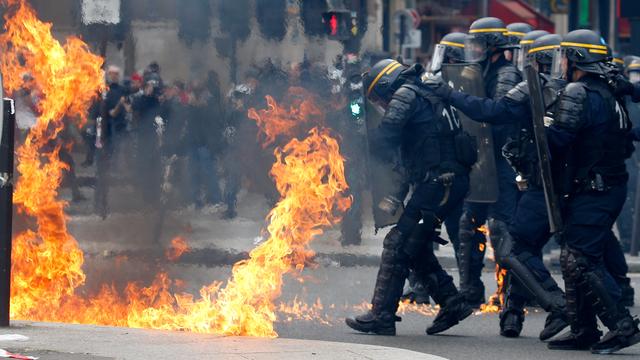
(589,144)
(486,44)
(449,50)
(437,155)
(529,230)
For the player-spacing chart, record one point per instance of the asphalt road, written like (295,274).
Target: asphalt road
(344,291)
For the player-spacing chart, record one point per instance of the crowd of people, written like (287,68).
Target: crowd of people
(191,144)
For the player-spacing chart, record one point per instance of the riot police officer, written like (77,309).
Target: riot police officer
(520,248)
(437,155)
(588,143)
(515,33)
(486,45)
(449,50)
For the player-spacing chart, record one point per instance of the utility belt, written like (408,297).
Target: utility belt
(601,182)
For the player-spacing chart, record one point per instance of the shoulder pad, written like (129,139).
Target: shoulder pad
(520,93)
(507,78)
(406,93)
(569,113)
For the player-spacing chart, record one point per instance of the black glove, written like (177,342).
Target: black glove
(437,85)
(622,86)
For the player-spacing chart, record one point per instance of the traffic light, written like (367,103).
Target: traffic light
(338,24)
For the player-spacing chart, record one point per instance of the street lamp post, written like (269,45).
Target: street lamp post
(7,134)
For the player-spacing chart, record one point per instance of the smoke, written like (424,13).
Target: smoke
(205,50)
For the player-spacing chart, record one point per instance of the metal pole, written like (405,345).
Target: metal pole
(635,234)
(6,206)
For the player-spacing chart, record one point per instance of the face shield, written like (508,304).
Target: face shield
(521,56)
(438,58)
(559,64)
(634,77)
(475,49)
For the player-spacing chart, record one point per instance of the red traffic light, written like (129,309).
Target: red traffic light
(333,25)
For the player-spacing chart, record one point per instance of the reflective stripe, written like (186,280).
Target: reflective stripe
(634,66)
(452,44)
(588,46)
(516,33)
(604,52)
(393,68)
(542,48)
(501,30)
(619,61)
(525,42)
(375,81)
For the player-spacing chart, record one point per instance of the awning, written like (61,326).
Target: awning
(511,11)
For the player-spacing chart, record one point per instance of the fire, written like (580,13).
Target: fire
(284,121)
(300,310)
(496,301)
(178,247)
(484,230)
(47,262)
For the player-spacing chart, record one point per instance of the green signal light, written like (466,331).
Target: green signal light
(356,108)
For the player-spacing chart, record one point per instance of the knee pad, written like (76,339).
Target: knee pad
(500,238)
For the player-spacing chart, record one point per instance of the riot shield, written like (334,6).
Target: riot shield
(484,184)
(385,178)
(544,159)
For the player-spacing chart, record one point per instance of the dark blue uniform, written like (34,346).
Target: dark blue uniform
(529,225)
(589,145)
(501,77)
(434,153)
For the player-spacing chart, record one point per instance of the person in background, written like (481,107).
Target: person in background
(204,132)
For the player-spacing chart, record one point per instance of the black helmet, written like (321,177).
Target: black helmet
(618,61)
(585,50)
(380,82)
(449,50)
(633,69)
(486,37)
(542,51)
(517,31)
(525,44)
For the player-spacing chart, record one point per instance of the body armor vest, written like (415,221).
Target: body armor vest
(439,143)
(597,159)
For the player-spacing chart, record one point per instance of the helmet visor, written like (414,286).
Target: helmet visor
(522,60)
(438,58)
(559,64)
(475,49)
(634,77)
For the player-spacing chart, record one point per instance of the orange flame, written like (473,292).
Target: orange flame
(496,301)
(280,121)
(47,270)
(484,230)
(177,248)
(46,262)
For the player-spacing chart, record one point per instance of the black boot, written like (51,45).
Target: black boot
(581,339)
(380,324)
(556,321)
(474,295)
(624,335)
(511,321)
(393,271)
(455,309)
(628,293)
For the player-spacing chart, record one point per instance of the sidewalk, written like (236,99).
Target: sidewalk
(63,341)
